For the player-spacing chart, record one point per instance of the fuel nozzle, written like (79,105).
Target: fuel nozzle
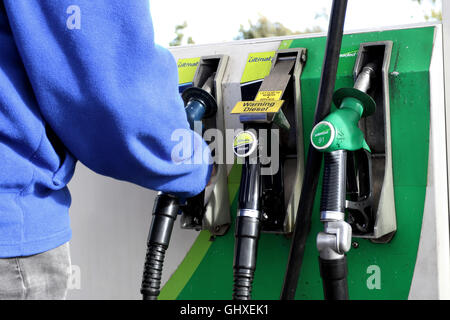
(365,78)
(337,135)
(199,102)
(364,82)
(339,130)
(248,225)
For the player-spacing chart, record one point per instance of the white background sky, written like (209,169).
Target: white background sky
(216,21)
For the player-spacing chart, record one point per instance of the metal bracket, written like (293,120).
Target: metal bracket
(335,241)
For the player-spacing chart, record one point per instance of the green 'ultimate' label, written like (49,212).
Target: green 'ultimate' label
(258,66)
(186,69)
(322,135)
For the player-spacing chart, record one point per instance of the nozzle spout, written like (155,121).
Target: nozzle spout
(364,80)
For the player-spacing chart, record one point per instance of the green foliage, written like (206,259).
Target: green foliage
(264,28)
(435,14)
(179,31)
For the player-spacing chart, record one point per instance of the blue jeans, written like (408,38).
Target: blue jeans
(40,276)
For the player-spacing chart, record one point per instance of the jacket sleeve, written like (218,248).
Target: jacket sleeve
(108,92)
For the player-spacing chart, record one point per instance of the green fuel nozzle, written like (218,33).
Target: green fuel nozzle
(338,135)
(339,130)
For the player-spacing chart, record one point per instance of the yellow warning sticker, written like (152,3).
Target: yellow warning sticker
(263,106)
(269,95)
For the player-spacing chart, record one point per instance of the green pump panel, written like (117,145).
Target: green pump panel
(379,268)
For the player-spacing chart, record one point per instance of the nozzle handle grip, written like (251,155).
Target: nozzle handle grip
(334,182)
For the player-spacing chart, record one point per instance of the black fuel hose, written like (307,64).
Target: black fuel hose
(314,158)
(333,269)
(164,214)
(334,278)
(248,226)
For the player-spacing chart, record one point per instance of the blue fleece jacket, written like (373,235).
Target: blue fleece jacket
(83,80)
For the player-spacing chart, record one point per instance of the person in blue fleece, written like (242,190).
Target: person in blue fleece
(79,80)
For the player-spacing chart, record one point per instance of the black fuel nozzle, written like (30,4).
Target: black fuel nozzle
(248,220)
(199,102)
(248,226)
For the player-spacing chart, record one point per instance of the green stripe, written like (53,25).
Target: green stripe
(187,267)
